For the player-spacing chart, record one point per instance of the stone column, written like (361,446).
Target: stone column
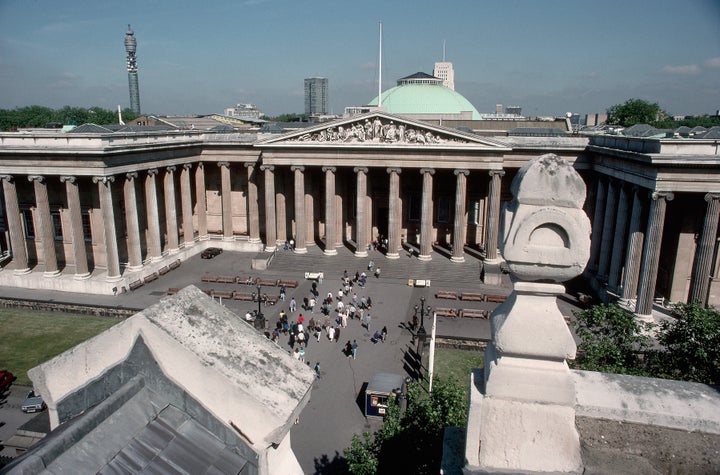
(426,214)
(17,236)
(493,219)
(597,224)
(153,217)
(361,231)
(253,209)
(394,214)
(704,252)
(280,214)
(300,225)
(651,254)
(171,211)
(226,191)
(201,202)
(619,240)
(108,215)
(309,211)
(460,224)
(330,226)
(76,227)
(607,232)
(132,223)
(47,232)
(186,203)
(270,236)
(633,254)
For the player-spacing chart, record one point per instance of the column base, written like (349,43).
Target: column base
(457,259)
(128,268)
(392,255)
(330,252)
(361,254)
(154,259)
(228,238)
(114,278)
(189,244)
(84,276)
(422,257)
(205,237)
(300,250)
(254,240)
(645,318)
(22,271)
(173,251)
(51,274)
(270,248)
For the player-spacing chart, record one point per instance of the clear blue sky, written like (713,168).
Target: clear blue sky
(549,56)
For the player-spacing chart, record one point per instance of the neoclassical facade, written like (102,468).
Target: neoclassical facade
(97,212)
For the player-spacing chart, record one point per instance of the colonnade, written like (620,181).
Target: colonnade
(627,235)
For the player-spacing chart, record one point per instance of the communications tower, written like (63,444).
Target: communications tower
(132,69)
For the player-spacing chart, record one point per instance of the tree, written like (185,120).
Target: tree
(691,344)
(612,340)
(634,111)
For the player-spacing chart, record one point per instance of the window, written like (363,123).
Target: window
(87,227)
(57,225)
(415,208)
(443,209)
(28,223)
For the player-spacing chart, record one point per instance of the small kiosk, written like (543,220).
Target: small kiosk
(379,390)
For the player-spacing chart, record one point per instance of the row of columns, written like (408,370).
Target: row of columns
(275,218)
(620,237)
(46,233)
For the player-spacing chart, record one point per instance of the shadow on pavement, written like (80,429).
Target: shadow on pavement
(325,466)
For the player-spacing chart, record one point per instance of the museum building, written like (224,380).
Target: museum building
(97,212)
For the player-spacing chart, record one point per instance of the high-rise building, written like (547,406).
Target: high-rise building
(316,96)
(132,69)
(444,70)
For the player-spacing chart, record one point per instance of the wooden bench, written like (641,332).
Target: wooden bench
(208,291)
(135,285)
(225,279)
(266,282)
(222,294)
(474,296)
(495,298)
(174,264)
(242,296)
(172,290)
(209,278)
(164,270)
(272,299)
(473,313)
(446,312)
(314,276)
(244,280)
(290,284)
(150,277)
(446,294)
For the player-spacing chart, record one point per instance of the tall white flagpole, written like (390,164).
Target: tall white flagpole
(431,355)
(380,71)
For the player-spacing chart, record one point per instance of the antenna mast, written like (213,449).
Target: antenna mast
(380,70)
(443,50)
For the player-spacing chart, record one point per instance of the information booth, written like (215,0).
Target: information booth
(379,390)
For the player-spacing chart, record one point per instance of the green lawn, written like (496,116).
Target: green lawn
(28,338)
(456,364)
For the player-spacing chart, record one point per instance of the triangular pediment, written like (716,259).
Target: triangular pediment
(379,129)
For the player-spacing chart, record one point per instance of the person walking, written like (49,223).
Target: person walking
(383,334)
(293,305)
(312,303)
(337,334)
(353,349)
(317,369)
(331,333)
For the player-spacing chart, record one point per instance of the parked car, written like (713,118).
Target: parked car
(33,403)
(211,252)
(6,379)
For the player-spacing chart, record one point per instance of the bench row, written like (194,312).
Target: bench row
(250,281)
(155,275)
(462,312)
(229,294)
(470,296)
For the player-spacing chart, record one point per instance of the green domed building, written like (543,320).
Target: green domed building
(423,97)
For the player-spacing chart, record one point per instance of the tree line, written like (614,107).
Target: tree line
(639,111)
(40,116)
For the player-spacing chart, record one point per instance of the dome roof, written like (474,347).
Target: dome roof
(425,99)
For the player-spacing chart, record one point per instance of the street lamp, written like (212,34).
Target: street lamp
(421,333)
(259,318)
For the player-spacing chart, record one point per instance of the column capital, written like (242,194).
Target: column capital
(267,167)
(103,179)
(7,178)
(39,178)
(187,166)
(131,175)
(360,169)
(297,168)
(662,195)
(394,170)
(152,171)
(427,170)
(712,196)
(249,164)
(223,164)
(499,173)
(329,169)
(68,178)
(463,171)
(171,168)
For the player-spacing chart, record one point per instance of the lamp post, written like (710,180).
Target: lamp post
(259,318)
(421,333)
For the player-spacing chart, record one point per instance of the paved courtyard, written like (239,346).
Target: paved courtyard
(334,412)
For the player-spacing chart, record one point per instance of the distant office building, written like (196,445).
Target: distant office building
(444,70)
(515,110)
(132,69)
(316,96)
(244,111)
(592,120)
